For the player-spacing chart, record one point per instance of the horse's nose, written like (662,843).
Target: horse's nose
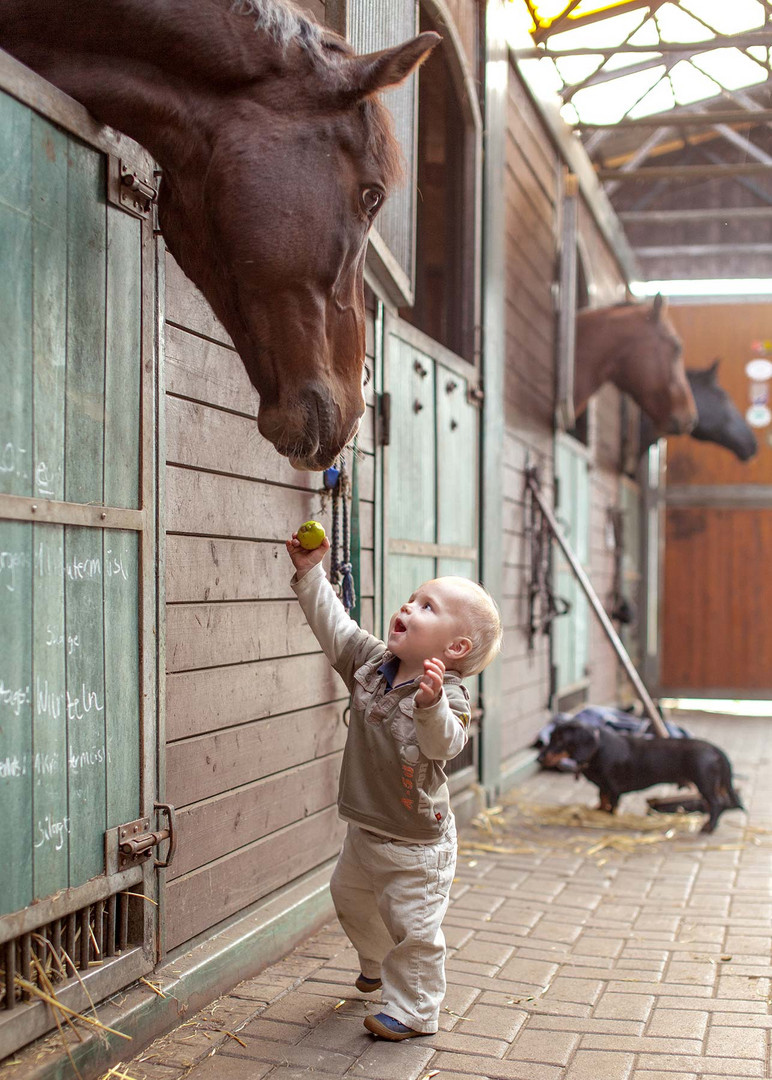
(319,409)
(682,424)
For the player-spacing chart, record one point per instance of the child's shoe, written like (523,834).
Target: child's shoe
(367,986)
(389,1028)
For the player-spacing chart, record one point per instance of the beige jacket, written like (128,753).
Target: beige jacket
(392,779)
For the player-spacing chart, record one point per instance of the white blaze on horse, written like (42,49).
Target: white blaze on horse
(635,347)
(276,154)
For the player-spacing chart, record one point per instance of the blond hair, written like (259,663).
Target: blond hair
(482,626)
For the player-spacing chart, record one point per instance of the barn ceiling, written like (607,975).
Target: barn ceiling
(671,100)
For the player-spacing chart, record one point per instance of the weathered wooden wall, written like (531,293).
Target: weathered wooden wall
(605,440)
(531,215)
(253,711)
(530,193)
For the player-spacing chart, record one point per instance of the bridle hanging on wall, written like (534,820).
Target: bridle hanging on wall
(543,605)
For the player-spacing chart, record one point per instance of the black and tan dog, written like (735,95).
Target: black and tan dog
(619,763)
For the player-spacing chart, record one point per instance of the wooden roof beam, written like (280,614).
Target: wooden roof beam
(701,250)
(687,172)
(681,119)
(684,217)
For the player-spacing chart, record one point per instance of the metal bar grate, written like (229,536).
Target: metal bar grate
(55,953)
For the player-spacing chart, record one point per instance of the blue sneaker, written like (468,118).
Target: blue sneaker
(389,1028)
(367,986)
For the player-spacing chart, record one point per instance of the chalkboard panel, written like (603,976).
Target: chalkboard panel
(69,702)
(70,432)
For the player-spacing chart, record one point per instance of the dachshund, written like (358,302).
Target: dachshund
(619,763)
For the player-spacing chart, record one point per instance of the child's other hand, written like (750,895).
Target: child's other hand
(302,559)
(430,687)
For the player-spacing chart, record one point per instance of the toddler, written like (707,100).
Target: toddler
(409,715)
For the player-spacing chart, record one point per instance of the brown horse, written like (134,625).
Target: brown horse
(276,156)
(635,347)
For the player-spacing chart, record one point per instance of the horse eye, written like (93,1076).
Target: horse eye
(366,375)
(371,201)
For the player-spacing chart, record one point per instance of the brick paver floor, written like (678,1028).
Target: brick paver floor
(575,953)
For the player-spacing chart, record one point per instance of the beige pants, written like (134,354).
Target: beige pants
(390,898)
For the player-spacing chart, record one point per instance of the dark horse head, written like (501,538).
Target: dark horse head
(636,347)
(276,155)
(718,418)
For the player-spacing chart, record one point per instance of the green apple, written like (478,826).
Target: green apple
(311,534)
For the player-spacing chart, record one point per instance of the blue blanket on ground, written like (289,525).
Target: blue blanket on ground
(600,715)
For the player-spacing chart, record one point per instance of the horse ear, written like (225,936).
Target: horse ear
(656,308)
(381,70)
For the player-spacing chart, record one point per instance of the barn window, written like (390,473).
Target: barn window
(371,25)
(573,294)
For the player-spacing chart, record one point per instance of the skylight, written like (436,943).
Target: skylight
(600,88)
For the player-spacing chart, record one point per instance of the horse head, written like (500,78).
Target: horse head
(276,155)
(636,347)
(720,421)
(653,372)
(274,232)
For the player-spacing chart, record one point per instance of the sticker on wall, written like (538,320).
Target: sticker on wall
(759,372)
(758,416)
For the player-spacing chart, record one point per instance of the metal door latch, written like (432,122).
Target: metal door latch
(127,189)
(133,843)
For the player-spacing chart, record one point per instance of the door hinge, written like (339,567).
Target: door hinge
(383,419)
(131,844)
(128,189)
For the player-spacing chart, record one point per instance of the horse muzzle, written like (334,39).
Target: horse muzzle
(308,431)
(682,425)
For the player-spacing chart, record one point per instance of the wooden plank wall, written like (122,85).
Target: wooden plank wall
(605,435)
(530,195)
(717,591)
(530,192)
(253,710)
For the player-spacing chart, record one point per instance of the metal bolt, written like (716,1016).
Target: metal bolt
(33,508)
(103,515)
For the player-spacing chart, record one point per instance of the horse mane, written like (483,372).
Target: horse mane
(288,24)
(285,23)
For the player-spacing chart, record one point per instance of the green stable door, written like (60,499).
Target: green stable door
(431,469)
(77,559)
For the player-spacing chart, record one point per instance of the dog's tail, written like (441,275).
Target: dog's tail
(731,799)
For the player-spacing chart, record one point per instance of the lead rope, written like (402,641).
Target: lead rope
(336,481)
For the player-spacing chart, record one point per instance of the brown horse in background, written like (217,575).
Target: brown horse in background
(276,156)
(635,347)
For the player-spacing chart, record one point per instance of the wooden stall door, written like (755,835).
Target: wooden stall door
(77,555)
(430,478)
(716,604)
